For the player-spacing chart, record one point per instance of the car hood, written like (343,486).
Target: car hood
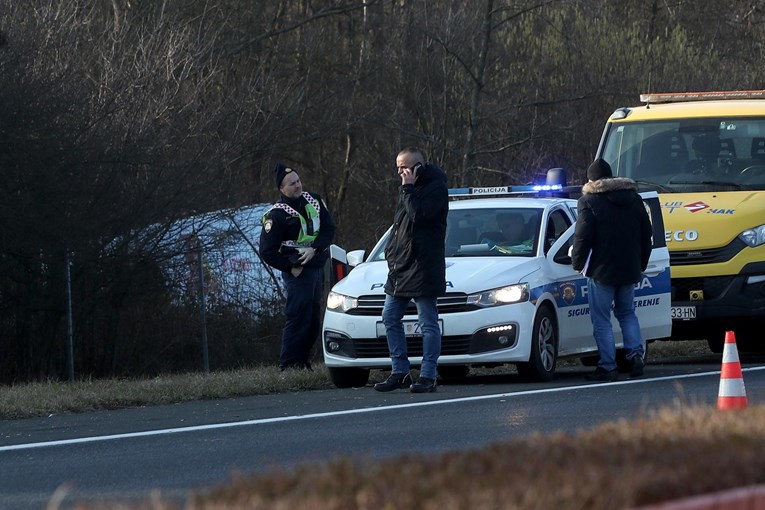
(466,275)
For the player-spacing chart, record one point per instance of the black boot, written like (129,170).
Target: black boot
(423,385)
(395,381)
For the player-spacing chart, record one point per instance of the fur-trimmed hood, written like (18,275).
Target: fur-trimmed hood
(609,184)
(617,190)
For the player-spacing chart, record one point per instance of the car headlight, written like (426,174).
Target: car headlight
(340,302)
(501,296)
(754,236)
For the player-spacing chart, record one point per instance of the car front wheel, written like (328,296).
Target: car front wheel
(544,348)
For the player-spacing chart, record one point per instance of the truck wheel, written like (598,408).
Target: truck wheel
(544,348)
(748,339)
(716,343)
(349,377)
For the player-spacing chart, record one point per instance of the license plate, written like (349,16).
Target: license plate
(411,328)
(683,313)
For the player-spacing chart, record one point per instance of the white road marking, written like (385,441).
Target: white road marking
(279,419)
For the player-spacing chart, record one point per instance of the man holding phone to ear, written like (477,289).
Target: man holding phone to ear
(416,269)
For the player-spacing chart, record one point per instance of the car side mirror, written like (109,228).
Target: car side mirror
(355,257)
(563,256)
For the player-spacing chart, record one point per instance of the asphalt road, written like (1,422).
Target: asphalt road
(128,453)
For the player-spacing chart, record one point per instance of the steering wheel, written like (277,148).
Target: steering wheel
(753,169)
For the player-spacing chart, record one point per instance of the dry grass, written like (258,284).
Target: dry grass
(52,397)
(43,399)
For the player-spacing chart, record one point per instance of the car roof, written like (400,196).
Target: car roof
(510,203)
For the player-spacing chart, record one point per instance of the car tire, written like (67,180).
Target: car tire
(453,371)
(544,348)
(349,377)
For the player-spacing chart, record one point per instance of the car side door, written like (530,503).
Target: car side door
(652,292)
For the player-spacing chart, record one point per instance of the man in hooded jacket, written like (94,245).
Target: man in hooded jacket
(416,268)
(612,245)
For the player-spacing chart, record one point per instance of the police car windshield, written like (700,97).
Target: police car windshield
(486,232)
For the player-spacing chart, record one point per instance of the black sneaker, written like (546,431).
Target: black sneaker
(423,385)
(394,382)
(603,375)
(638,366)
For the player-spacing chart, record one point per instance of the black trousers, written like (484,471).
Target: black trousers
(302,313)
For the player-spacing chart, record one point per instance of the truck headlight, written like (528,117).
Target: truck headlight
(500,296)
(754,236)
(340,302)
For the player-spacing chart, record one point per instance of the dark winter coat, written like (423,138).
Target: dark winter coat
(415,249)
(279,226)
(613,223)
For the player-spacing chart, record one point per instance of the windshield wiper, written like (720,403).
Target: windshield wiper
(656,185)
(710,183)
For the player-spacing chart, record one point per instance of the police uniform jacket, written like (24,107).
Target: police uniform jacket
(280,226)
(612,224)
(415,250)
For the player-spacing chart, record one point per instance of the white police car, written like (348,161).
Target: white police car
(518,303)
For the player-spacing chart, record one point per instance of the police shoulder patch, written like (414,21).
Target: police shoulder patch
(267,225)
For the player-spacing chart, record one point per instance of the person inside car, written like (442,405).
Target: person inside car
(512,231)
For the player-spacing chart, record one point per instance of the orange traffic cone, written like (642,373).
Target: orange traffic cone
(732,394)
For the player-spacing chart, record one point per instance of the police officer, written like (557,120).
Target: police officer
(296,234)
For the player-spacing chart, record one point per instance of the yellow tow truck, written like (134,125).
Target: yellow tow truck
(704,153)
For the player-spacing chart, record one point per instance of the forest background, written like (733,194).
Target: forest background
(121,118)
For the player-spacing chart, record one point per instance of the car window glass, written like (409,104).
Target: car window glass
(557,223)
(485,232)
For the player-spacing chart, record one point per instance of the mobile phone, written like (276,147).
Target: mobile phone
(416,168)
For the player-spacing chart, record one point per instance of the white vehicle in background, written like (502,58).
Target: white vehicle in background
(520,304)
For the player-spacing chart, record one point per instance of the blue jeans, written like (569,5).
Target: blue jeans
(427,313)
(601,297)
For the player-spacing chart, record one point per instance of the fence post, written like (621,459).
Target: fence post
(203,311)
(69,328)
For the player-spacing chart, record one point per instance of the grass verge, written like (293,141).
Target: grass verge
(52,397)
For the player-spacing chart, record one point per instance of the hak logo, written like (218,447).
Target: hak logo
(696,207)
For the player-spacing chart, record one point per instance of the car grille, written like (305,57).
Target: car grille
(378,347)
(373,305)
(690,257)
(713,287)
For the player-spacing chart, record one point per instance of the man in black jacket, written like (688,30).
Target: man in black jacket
(612,245)
(295,238)
(416,268)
